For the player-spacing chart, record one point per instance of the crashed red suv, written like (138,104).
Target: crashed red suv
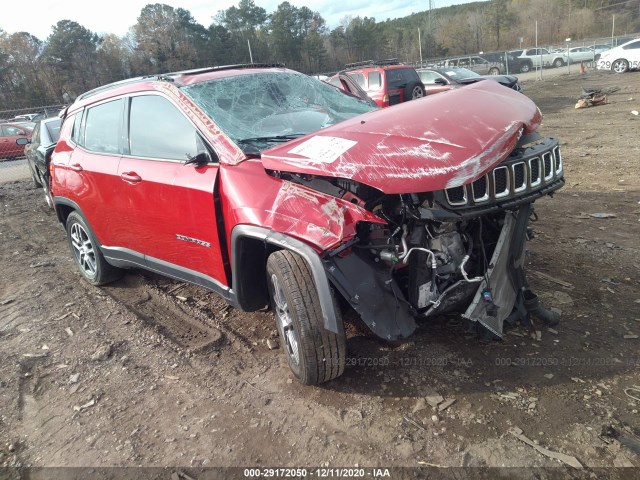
(271,188)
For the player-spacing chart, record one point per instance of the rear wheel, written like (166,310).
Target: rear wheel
(558,62)
(494,71)
(620,66)
(525,67)
(315,355)
(86,253)
(413,91)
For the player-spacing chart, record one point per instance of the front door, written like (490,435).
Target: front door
(167,208)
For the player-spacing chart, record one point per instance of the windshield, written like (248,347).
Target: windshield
(459,73)
(258,110)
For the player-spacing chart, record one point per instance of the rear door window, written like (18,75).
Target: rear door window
(375,80)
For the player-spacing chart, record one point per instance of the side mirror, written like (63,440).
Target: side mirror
(440,81)
(202,158)
(22,141)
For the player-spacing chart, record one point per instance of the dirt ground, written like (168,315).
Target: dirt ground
(152,372)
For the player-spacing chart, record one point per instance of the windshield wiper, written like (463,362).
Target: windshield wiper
(271,138)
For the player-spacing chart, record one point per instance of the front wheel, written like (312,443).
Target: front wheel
(620,66)
(494,71)
(315,355)
(525,67)
(86,252)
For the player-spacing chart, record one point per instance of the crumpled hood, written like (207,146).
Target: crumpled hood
(436,142)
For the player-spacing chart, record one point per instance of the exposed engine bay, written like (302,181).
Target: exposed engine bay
(455,251)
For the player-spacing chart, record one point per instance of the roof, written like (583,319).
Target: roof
(179,79)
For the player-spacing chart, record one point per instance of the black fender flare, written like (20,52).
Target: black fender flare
(286,242)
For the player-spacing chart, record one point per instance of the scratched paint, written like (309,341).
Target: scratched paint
(422,146)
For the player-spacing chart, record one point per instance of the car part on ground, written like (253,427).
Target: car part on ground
(272,188)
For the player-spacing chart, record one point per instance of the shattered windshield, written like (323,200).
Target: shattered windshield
(261,109)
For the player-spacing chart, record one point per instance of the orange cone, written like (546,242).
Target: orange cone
(581,68)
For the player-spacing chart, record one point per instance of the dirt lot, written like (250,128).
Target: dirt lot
(151,372)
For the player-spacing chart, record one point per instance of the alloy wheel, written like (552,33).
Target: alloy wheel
(83,250)
(285,323)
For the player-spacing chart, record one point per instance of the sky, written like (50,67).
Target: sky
(117,16)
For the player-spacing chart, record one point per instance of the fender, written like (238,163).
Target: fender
(288,243)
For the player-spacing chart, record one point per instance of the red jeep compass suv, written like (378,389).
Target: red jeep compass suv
(271,188)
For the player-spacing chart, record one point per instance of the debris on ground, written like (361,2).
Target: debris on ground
(443,406)
(80,408)
(434,399)
(568,459)
(591,97)
(602,215)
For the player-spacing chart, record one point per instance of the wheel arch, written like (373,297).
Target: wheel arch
(250,248)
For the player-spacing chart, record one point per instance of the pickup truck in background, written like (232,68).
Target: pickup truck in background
(540,57)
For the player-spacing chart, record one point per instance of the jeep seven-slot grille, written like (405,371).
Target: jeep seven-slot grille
(520,174)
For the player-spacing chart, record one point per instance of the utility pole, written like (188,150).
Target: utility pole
(420,46)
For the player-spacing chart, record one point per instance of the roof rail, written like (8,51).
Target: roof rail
(373,63)
(169,77)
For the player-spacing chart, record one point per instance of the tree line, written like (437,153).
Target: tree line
(73,59)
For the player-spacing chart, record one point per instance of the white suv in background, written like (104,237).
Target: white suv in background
(622,58)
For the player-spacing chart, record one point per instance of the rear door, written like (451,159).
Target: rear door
(166,209)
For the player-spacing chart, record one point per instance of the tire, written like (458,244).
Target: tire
(620,66)
(86,253)
(413,91)
(525,67)
(494,71)
(45,188)
(34,176)
(315,355)
(558,62)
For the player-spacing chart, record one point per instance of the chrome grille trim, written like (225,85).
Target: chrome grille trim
(522,186)
(558,158)
(457,202)
(547,161)
(506,190)
(522,173)
(480,198)
(536,180)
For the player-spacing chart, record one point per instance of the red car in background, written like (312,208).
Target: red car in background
(386,82)
(9,134)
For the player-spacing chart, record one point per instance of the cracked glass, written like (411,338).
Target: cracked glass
(258,110)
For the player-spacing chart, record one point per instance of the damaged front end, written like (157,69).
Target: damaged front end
(458,250)
(453,191)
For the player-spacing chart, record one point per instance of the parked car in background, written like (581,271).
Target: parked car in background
(386,82)
(438,79)
(579,54)
(474,63)
(38,151)
(30,117)
(540,57)
(272,188)
(347,84)
(622,58)
(514,64)
(9,134)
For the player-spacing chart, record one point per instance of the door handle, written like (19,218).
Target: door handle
(76,167)
(132,177)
